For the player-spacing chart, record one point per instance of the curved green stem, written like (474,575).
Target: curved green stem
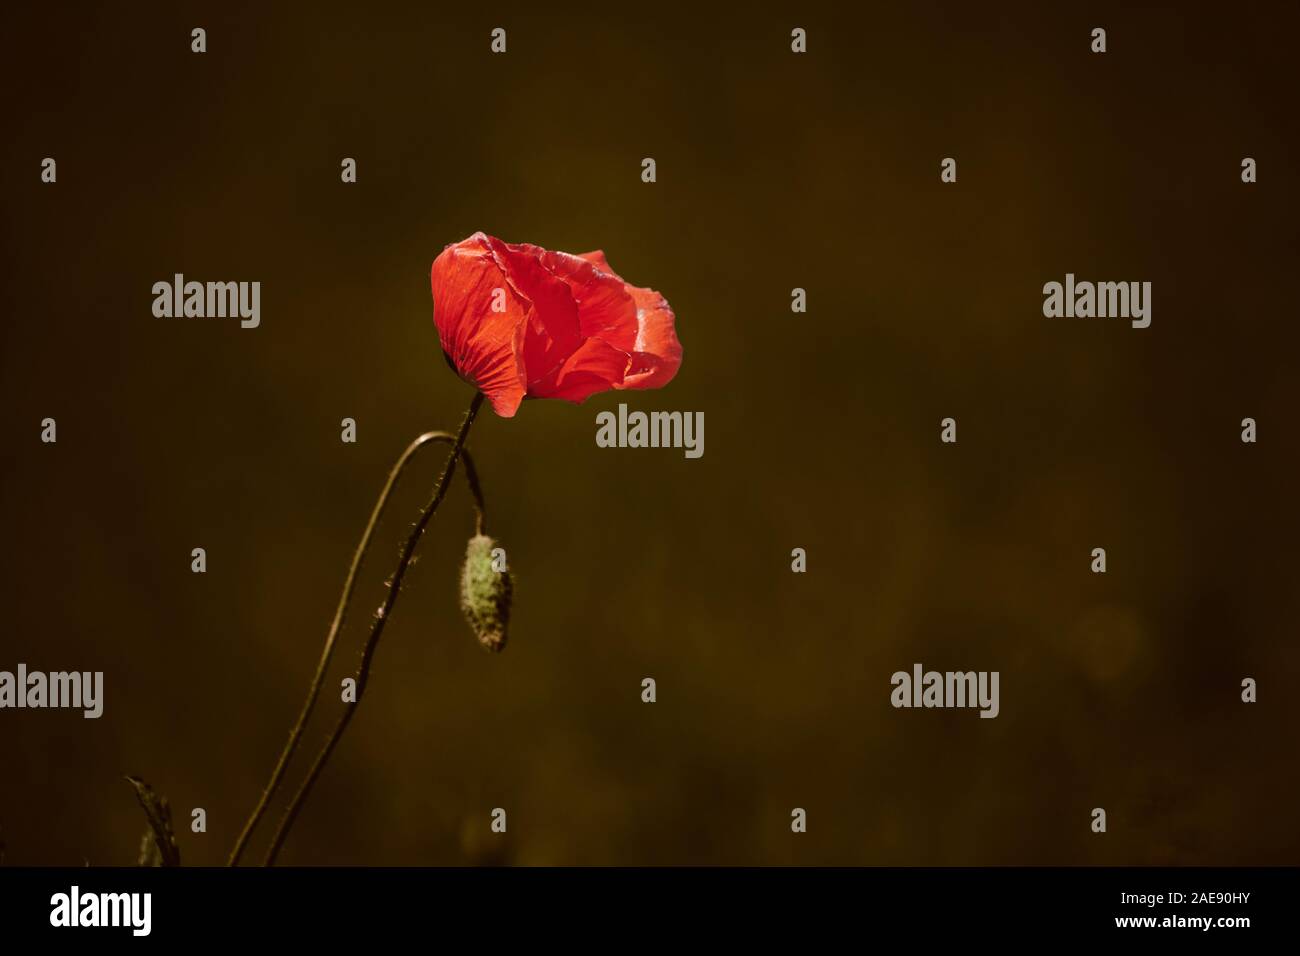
(340,613)
(377,628)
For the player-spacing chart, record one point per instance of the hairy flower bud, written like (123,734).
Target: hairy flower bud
(485,590)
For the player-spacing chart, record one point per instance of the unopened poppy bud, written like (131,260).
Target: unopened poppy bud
(485,590)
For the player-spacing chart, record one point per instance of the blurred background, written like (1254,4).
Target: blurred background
(775,171)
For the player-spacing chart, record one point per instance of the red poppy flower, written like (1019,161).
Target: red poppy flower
(518,321)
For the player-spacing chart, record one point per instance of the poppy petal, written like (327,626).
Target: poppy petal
(605,309)
(481,343)
(658,353)
(518,321)
(595,367)
(552,331)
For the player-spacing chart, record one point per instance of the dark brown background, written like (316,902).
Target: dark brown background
(775,171)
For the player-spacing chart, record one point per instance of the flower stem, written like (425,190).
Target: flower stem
(340,614)
(376,630)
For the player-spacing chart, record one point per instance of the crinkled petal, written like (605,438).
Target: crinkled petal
(565,326)
(552,332)
(482,344)
(658,354)
(605,308)
(595,367)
